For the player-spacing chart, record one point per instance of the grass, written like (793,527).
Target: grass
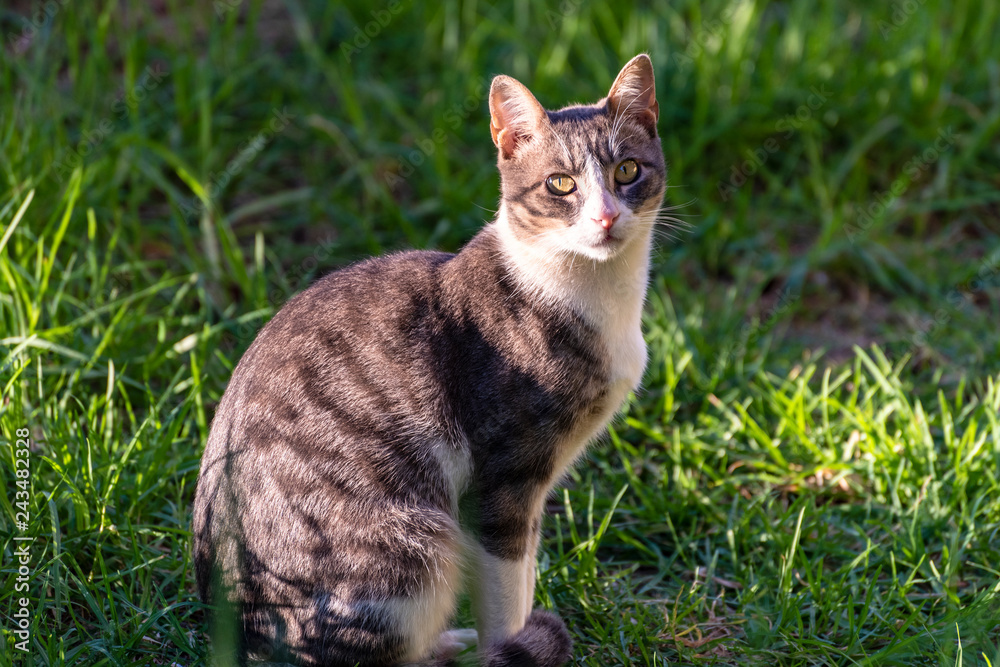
(811,474)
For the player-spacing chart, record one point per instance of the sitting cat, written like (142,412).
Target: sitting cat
(395,429)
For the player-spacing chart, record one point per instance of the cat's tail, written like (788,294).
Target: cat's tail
(543,642)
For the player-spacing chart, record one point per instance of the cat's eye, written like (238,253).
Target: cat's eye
(560,184)
(626,172)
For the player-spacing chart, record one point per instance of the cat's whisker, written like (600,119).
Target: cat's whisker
(613,135)
(660,231)
(566,153)
(673,220)
(654,215)
(671,210)
(666,239)
(675,207)
(666,229)
(668,215)
(670,221)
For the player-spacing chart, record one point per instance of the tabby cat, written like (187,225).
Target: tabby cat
(393,432)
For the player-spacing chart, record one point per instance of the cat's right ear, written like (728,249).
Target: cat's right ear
(633,93)
(515,114)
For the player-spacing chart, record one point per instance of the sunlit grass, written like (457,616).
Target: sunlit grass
(762,502)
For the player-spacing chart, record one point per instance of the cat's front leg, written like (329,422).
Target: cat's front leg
(503,590)
(502,593)
(503,558)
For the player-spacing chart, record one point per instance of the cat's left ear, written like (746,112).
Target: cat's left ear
(634,93)
(515,114)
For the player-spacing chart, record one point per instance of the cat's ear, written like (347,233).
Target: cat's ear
(634,93)
(515,114)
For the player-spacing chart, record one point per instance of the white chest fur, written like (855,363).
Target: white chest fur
(607,294)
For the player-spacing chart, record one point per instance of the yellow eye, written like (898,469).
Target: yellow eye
(627,172)
(560,184)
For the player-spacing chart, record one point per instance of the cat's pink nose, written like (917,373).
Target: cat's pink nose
(607,219)
(606,212)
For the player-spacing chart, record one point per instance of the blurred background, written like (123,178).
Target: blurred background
(172,172)
(838,163)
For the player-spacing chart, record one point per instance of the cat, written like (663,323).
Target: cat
(394,430)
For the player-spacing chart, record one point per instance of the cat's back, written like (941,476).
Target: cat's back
(361,298)
(363,319)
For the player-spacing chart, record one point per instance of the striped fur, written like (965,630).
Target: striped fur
(393,432)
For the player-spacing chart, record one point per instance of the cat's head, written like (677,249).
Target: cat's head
(587,179)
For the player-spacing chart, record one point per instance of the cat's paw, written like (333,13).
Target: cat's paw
(453,642)
(542,642)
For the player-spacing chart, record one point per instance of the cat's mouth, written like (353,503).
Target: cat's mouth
(604,246)
(607,240)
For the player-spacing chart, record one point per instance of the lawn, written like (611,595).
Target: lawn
(810,474)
